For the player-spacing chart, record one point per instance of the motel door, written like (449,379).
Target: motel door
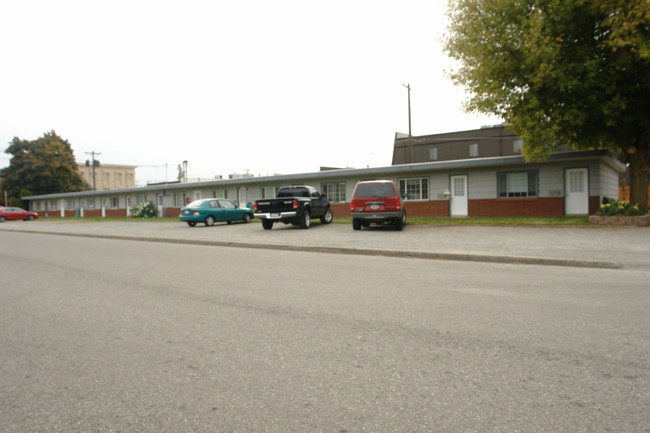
(241,196)
(159,201)
(576,200)
(458,198)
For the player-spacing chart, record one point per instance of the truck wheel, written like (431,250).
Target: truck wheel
(356,224)
(268,225)
(305,222)
(209,221)
(328,217)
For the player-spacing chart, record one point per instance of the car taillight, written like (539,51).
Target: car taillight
(196,212)
(294,204)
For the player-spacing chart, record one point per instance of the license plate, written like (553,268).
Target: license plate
(275,215)
(374,206)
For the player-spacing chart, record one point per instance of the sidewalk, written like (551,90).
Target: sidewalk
(598,247)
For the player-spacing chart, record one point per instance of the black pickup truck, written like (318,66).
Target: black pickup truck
(295,205)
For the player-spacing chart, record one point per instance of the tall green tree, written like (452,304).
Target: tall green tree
(560,72)
(43,166)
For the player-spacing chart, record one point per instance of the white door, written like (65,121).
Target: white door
(458,198)
(576,201)
(159,201)
(242,196)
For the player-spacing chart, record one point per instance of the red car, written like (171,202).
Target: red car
(16,213)
(377,202)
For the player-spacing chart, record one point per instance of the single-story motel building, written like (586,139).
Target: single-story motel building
(478,173)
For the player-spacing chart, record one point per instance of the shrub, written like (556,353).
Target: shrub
(144,210)
(611,207)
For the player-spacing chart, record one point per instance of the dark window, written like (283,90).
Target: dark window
(517,184)
(414,188)
(335,192)
(293,192)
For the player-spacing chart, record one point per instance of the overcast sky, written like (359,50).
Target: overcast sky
(254,86)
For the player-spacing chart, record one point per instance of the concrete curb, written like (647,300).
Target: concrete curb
(515,260)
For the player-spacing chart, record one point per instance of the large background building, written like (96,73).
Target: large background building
(101,177)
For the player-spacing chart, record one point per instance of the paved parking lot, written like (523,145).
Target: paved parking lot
(567,246)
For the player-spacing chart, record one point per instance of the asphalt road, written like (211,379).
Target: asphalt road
(108,335)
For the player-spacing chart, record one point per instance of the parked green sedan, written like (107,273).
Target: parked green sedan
(211,210)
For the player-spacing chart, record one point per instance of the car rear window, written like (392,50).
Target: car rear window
(196,203)
(374,190)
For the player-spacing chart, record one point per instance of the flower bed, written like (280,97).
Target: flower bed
(620,213)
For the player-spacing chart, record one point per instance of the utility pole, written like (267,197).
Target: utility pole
(410,146)
(93,153)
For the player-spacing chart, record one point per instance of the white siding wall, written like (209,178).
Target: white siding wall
(438,183)
(482,184)
(609,182)
(551,181)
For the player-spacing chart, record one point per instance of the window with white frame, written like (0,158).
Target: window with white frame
(518,146)
(433,154)
(269,191)
(90,203)
(473,149)
(115,202)
(70,203)
(335,191)
(142,199)
(53,205)
(414,188)
(517,184)
(178,199)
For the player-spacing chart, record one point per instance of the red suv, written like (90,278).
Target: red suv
(377,202)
